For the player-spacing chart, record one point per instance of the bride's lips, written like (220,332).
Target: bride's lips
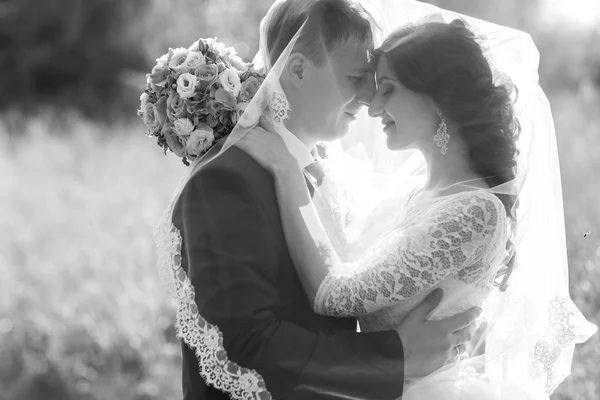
(388,125)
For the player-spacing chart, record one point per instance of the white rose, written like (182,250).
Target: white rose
(231,81)
(215,46)
(238,64)
(177,62)
(194,60)
(249,115)
(200,140)
(183,126)
(194,46)
(229,51)
(163,61)
(186,85)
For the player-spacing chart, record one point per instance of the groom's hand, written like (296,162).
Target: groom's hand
(428,345)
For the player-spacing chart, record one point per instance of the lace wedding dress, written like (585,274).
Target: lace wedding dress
(454,242)
(385,262)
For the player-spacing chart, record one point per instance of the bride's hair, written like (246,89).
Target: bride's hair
(329,24)
(446,62)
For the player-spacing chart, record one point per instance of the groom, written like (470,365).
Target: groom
(236,257)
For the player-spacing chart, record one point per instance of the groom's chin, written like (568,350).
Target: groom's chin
(342,129)
(332,135)
(339,134)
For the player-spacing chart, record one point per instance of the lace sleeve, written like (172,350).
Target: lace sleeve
(449,238)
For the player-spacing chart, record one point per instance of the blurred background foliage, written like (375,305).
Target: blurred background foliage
(83,314)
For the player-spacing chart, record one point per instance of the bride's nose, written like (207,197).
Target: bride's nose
(376,108)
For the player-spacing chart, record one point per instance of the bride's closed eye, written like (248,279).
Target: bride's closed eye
(385,90)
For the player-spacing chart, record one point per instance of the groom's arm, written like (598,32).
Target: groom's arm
(227,242)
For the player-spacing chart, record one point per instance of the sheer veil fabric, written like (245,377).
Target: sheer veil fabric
(532,327)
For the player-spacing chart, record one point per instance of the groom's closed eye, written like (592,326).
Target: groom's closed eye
(356,78)
(358,75)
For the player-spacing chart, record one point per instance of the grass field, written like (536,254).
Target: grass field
(83,314)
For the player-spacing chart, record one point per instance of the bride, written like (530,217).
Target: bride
(461,230)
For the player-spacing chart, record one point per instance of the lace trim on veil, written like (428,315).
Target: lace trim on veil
(203,338)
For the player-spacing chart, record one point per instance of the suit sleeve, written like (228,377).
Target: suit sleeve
(227,246)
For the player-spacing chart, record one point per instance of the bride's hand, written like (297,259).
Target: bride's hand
(268,150)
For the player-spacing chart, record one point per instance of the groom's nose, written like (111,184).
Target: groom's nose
(366,91)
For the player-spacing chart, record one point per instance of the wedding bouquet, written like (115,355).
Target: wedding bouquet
(195,96)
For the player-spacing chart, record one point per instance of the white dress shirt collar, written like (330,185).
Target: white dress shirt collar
(295,146)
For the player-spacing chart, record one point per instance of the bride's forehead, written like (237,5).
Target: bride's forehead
(381,66)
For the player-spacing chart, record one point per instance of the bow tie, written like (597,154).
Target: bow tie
(316,173)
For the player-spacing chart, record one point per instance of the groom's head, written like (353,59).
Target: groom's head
(327,76)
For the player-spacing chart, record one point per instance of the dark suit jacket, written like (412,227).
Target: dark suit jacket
(236,257)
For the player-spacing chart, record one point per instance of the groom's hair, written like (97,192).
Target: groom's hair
(329,23)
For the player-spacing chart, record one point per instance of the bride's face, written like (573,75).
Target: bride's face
(333,93)
(409,118)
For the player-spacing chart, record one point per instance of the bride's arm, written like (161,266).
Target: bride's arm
(410,262)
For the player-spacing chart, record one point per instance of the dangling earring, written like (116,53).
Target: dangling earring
(442,137)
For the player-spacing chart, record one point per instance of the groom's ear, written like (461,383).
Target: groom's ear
(296,69)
